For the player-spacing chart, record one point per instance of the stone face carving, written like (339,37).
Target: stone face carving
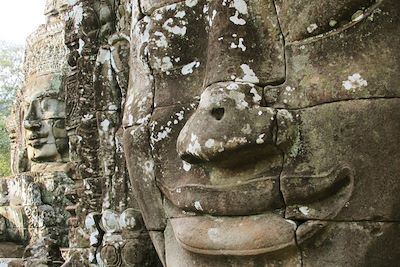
(33,204)
(263,133)
(44,123)
(255,133)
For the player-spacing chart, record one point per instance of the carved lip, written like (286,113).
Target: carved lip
(264,194)
(250,234)
(37,139)
(250,197)
(240,236)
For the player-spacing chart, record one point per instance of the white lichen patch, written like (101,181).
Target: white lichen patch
(81,45)
(240,6)
(186,166)
(112,107)
(256,97)
(304,210)
(232,86)
(260,139)
(194,146)
(188,68)
(87,117)
(164,64)
(209,143)
(240,45)
(239,99)
(358,15)
(180,14)
(175,29)
(191,3)
(158,16)
(144,120)
(249,75)
(312,28)
(105,125)
(234,141)
(149,167)
(162,40)
(161,135)
(236,20)
(198,206)
(103,56)
(241,9)
(170,7)
(292,223)
(213,234)
(206,7)
(130,119)
(163,131)
(77,11)
(289,89)
(246,129)
(375,12)
(332,23)
(354,81)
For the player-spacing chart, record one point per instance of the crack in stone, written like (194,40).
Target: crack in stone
(276,137)
(283,40)
(340,101)
(153,9)
(353,221)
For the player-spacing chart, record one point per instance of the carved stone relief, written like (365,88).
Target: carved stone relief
(263,133)
(106,228)
(255,133)
(33,204)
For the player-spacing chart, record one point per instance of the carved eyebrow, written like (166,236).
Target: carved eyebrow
(367,12)
(45,94)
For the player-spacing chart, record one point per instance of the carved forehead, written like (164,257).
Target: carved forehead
(194,44)
(301,6)
(40,86)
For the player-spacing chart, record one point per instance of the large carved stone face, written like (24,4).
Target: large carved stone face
(271,124)
(44,123)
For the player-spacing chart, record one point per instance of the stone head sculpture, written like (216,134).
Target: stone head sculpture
(44,120)
(263,132)
(54,8)
(40,111)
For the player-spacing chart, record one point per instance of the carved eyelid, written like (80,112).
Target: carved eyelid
(368,11)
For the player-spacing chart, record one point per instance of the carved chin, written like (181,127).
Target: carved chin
(46,152)
(310,201)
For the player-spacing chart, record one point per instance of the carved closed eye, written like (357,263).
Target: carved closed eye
(303,21)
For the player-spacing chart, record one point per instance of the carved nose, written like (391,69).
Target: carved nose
(230,121)
(31,118)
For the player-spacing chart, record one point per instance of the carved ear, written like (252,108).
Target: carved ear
(23,162)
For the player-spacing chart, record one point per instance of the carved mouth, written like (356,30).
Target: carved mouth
(37,139)
(308,199)
(244,235)
(250,197)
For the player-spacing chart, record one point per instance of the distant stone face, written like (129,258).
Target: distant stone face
(44,123)
(262,132)
(33,202)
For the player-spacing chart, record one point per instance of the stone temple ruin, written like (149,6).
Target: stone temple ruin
(207,133)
